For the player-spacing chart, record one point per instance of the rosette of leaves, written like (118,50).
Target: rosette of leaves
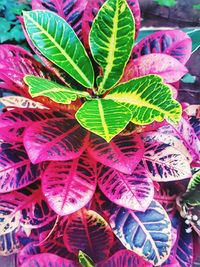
(95,133)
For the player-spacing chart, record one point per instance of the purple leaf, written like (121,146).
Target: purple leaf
(55,139)
(48,259)
(69,185)
(123,153)
(14,122)
(134,191)
(165,163)
(171,42)
(89,232)
(26,252)
(16,170)
(70,10)
(169,68)
(124,258)
(195,123)
(9,243)
(92,9)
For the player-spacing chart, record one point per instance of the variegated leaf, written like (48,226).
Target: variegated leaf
(57,41)
(16,170)
(69,185)
(123,153)
(195,123)
(20,102)
(165,163)
(112,30)
(133,191)
(89,232)
(148,99)
(148,234)
(55,139)
(85,260)
(9,243)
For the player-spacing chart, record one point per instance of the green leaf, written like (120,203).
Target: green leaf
(103,117)
(56,92)
(195,36)
(197,6)
(148,99)
(5,26)
(56,40)
(168,3)
(111,41)
(192,195)
(188,78)
(85,260)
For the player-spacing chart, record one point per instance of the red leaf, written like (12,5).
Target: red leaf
(169,68)
(133,191)
(171,42)
(16,170)
(92,9)
(89,232)
(69,186)
(123,153)
(55,139)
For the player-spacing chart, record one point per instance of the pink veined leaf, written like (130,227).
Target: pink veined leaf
(26,252)
(55,139)
(88,231)
(171,262)
(92,9)
(123,153)
(13,123)
(171,42)
(134,191)
(165,163)
(48,259)
(125,258)
(169,68)
(10,85)
(9,243)
(70,10)
(69,185)
(195,123)
(16,170)
(26,207)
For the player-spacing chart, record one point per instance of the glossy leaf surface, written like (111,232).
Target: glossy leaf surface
(69,185)
(16,170)
(148,99)
(192,195)
(123,153)
(169,68)
(85,260)
(55,139)
(89,232)
(133,191)
(103,117)
(54,91)
(151,232)
(172,42)
(9,244)
(165,163)
(111,41)
(56,40)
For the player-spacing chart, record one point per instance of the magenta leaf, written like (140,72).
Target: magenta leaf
(165,163)
(13,123)
(92,9)
(171,42)
(69,185)
(9,243)
(169,68)
(16,170)
(89,232)
(195,123)
(71,11)
(123,153)
(134,191)
(55,139)
(48,259)
(124,258)
(27,251)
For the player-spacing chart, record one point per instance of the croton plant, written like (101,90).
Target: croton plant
(99,163)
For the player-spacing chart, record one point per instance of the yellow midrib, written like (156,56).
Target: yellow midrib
(103,121)
(58,90)
(60,49)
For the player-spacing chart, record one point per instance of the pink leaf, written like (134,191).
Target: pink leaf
(125,258)
(92,9)
(169,68)
(14,122)
(55,139)
(16,170)
(89,232)
(48,259)
(171,42)
(12,102)
(123,153)
(133,191)
(69,186)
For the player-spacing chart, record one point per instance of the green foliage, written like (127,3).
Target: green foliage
(85,260)
(167,3)
(197,6)
(10,27)
(188,78)
(192,195)
(195,36)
